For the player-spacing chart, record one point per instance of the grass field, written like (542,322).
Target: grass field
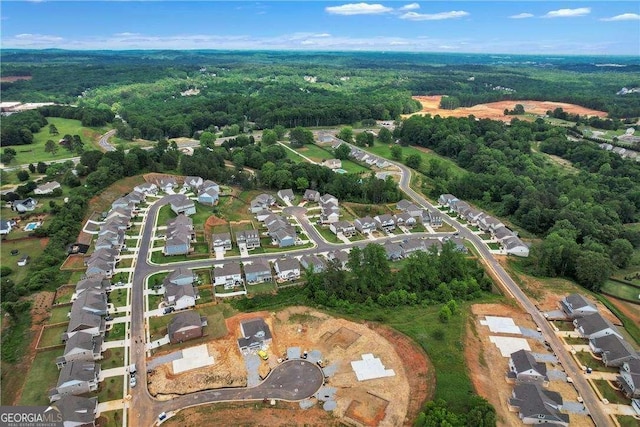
(586,359)
(110,389)
(609,393)
(261,288)
(621,290)
(59,315)
(627,421)
(164,214)
(384,150)
(102,202)
(34,153)
(112,358)
(115,333)
(118,297)
(110,419)
(31,247)
(53,335)
(42,376)
(314,152)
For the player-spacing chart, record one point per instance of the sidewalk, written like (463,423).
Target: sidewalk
(112,405)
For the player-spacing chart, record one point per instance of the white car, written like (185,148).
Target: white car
(132,381)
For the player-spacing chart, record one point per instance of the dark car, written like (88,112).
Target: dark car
(14,252)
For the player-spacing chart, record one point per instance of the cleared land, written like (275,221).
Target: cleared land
(386,400)
(495,110)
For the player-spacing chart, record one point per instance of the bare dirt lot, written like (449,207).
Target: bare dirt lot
(11,79)
(487,367)
(495,110)
(389,401)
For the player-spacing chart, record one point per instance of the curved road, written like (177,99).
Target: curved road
(147,408)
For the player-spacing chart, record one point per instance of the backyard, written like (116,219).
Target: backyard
(41,377)
(608,392)
(111,389)
(621,290)
(52,335)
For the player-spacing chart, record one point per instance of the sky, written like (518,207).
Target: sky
(512,27)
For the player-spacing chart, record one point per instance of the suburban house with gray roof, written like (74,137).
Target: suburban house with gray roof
(345,227)
(180,221)
(178,296)
(221,241)
(448,200)
(403,204)
(311,195)
(328,198)
(181,204)
(393,250)
(405,219)
(192,182)
(523,368)
(514,246)
(77,411)
(76,378)
(47,188)
(410,246)
(613,350)
(182,276)
(229,275)
(6,226)
(329,213)
(97,283)
(385,222)
(255,335)
(431,217)
(147,188)
(365,224)
(81,347)
(537,406)
(313,263)
(83,321)
(249,238)
(257,272)
(185,326)
(287,268)
(595,326)
(26,205)
(286,195)
(577,305)
(92,301)
(261,201)
(341,257)
(208,196)
(629,379)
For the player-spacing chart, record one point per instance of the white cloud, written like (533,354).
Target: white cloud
(410,6)
(38,38)
(568,13)
(623,17)
(522,16)
(126,34)
(413,16)
(358,9)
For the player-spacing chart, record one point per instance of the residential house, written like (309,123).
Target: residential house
(77,411)
(393,250)
(192,182)
(284,237)
(208,197)
(385,222)
(185,326)
(286,195)
(221,241)
(629,379)
(47,188)
(461,208)
(147,188)
(210,185)
(261,201)
(473,215)
(576,305)
(432,218)
(328,198)
(262,215)
(99,268)
(595,326)
(365,225)
(81,347)
(26,205)
(502,233)
(338,256)
(287,268)
(178,296)
(108,255)
(5,226)
(515,246)
(255,335)
(413,210)
(313,263)
(248,238)
(229,275)
(135,198)
(166,183)
(613,350)
(332,163)
(182,276)
(537,406)
(489,224)
(458,245)
(404,219)
(523,368)
(257,272)
(344,227)
(403,204)
(180,221)
(329,213)
(97,283)
(178,244)
(311,196)
(410,246)
(448,200)
(370,160)
(76,378)
(83,321)
(432,245)
(382,163)
(181,204)
(92,301)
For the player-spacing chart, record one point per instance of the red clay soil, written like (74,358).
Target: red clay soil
(495,110)
(11,79)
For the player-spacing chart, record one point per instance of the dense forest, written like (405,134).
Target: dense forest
(580,212)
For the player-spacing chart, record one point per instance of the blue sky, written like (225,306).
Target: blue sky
(536,27)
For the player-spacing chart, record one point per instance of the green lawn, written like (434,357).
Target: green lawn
(125,263)
(29,247)
(52,335)
(384,150)
(42,376)
(563,326)
(110,419)
(627,421)
(34,153)
(609,393)
(352,167)
(164,214)
(202,214)
(261,288)
(118,297)
(154,301)
(115,333)
(112,358)
(576,341)
(156,279)
(159,258)
(59,315)
(494,246)
(587,359)
(110,389)
(621,290)
(315,153)
(206,295)
(328,234)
